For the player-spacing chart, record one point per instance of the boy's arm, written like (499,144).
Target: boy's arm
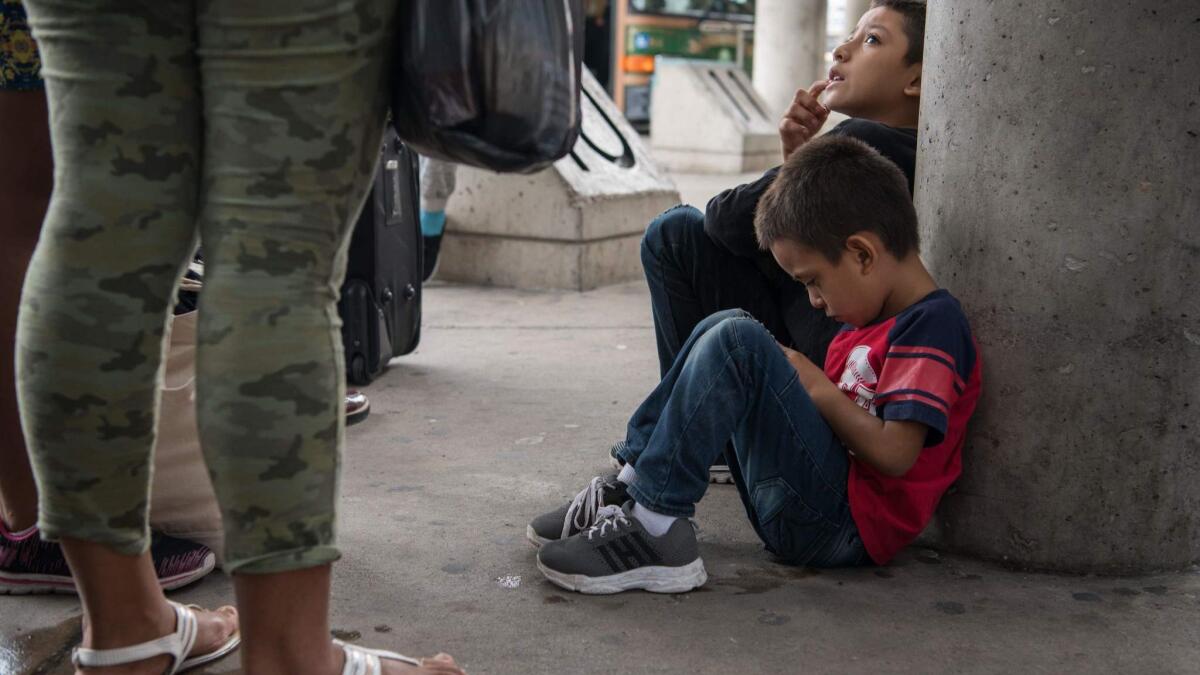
(889,446)
(729,217)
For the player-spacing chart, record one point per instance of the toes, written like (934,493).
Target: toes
(441,663)
(229,621)
(217,626)
(228,612)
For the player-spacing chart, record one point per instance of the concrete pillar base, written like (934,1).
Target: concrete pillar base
(575,226)
(532,264)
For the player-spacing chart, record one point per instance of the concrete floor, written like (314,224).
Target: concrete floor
(505,410)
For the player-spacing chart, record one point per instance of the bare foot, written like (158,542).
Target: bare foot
(214,628)
(441,664)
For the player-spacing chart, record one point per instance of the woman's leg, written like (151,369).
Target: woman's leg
(26,177)
(295,94)
(123,103)
(438,178)
(117,233)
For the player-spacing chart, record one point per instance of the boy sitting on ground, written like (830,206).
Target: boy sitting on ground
(698,263)
(838,467)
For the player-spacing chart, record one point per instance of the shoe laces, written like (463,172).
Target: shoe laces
(585,508)
(608,515)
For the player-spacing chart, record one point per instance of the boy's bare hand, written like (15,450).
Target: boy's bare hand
(803,119)
(809,373)
(790,353)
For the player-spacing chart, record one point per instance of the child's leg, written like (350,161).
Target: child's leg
(732,380)
(645,419)
(691,277)
(687,420)
(791,472)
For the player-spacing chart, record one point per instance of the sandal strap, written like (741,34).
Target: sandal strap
(360,663)
(364,661)
(176,645)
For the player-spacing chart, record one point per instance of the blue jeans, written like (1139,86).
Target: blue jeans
(731,381)
(691,277)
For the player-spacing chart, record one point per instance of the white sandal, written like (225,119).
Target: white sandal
(177,645)
(364,661)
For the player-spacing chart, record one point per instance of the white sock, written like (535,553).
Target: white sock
(627,475)
(655,523)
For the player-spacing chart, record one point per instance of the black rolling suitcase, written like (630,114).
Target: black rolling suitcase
(381,297)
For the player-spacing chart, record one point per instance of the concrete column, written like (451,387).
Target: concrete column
(854,11)
(789,49)
(1060,145)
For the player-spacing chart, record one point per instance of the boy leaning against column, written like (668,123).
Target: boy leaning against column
(838,466)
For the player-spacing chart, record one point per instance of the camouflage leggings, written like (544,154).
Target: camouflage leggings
(255,125)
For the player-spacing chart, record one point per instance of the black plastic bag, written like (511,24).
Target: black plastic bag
(489,83)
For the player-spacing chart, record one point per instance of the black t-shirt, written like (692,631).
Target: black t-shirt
(729,218)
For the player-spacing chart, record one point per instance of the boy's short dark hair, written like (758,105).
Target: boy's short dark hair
(914,25)
(834,187)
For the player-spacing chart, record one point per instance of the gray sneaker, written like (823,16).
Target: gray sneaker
(580,514)
(618,554)
(615,459)
(717,473)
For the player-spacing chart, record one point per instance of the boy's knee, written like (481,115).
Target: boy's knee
(730,330)
(745,331)
(721,322)
(731,318)
(668,227)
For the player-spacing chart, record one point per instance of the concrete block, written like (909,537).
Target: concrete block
(576,225)
(705,117)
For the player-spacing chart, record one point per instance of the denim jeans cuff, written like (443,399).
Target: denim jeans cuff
(628,454)
(644,499)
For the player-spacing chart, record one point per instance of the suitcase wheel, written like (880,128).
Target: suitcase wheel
(358,371)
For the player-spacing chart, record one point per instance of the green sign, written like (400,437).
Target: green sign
(689,43)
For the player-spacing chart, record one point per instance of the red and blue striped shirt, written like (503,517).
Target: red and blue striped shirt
(921,365)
